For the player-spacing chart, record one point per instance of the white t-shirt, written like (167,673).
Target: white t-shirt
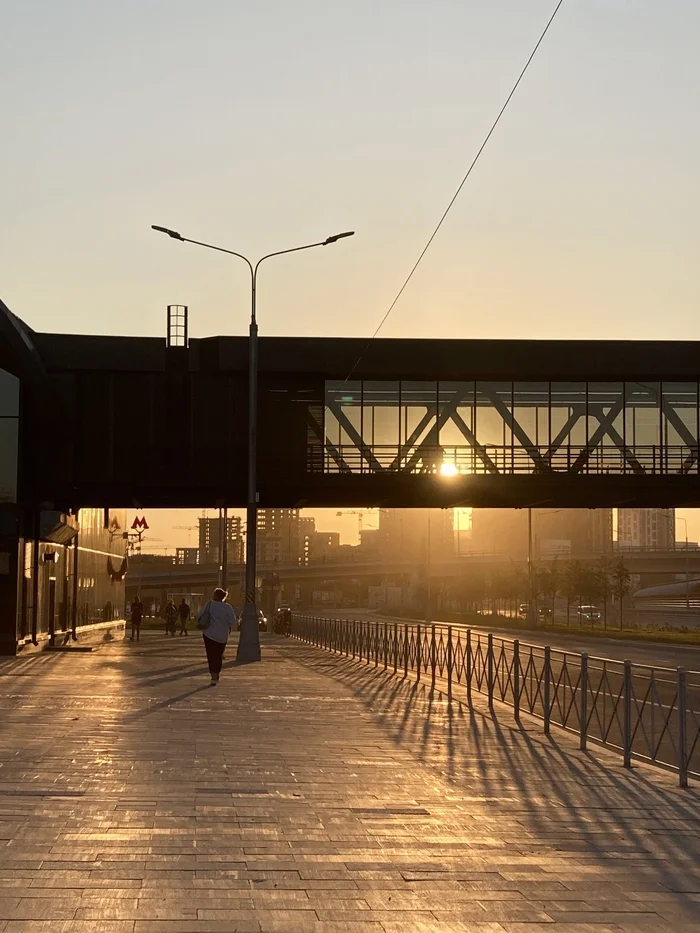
(222,618)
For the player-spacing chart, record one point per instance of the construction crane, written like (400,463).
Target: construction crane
(189,529)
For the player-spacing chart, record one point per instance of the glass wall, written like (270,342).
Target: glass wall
(101,585)
(512,427)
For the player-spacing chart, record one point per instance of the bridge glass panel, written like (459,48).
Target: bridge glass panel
(530,426)
(456,425)
(643,426)
(567,424)
(679,421)
(418,439)
(493,419)
(343,428)
(505,427)
(605,425)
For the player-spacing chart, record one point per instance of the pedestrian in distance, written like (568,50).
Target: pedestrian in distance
(216,619)
(170,618)
(136,618)
(183,611)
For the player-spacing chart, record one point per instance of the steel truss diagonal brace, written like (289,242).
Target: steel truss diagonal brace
(330,448)
(354,435)
(518,431)
(674,419)
(577,412)
(605,423)
(470,437)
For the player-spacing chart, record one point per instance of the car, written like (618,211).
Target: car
(544,612)
(262,621)
(588,614)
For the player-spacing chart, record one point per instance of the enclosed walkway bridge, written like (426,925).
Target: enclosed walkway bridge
(397,423)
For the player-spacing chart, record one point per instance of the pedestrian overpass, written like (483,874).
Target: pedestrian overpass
(124,421)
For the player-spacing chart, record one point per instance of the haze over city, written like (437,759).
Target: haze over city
(350,466)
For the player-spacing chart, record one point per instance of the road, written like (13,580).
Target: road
(653,654)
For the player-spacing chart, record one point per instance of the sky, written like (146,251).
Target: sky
(259,126)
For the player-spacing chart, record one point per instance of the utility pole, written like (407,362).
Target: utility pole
(224,551)
(531,615)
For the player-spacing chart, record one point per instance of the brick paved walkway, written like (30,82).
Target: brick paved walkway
(309,793)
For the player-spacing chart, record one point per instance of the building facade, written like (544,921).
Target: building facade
(280,536)
(648,528)
(555,532)
(419,535)
(211,541)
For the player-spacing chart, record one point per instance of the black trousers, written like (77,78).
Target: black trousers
(215,654)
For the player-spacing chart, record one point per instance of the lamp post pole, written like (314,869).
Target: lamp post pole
(249,640)
(687,578)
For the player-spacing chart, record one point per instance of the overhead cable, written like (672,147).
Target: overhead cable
(459,189)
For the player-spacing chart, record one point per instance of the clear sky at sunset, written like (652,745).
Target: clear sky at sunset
(263,125)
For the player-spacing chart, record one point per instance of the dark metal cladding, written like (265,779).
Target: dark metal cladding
(522,422)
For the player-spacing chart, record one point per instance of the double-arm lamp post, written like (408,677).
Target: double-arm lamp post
(249,641)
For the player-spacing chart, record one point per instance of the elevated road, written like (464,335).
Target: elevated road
(637,561)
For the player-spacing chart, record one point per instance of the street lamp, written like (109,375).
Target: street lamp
(679,518)
(249,641)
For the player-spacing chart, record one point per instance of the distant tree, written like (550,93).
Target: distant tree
(620,579)
(571,585)
(589,587)
(603,575)
(549,583)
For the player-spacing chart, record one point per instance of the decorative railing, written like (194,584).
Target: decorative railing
(647,713)
(466,459)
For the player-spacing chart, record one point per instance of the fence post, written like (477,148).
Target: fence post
(396,646)
(584,702)
(547,678)
(386,645)
(376,644)
(405,650)
(489,669)
(627,716)
(354,637)
(450,662)
(682,729)
(469,666)
(433,657)
(419,652)
(516,679)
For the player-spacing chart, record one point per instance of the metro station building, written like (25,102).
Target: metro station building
(61,572)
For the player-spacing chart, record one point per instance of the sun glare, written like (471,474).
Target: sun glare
(448,469)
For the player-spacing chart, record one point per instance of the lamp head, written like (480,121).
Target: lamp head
(171,233)
(338,236)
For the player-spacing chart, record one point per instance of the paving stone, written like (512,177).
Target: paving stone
(313,794)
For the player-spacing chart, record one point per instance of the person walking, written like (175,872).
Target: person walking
(136,618)
(216,619)
(183,611)
(170,618)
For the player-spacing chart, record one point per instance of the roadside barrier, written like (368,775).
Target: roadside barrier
(646,713)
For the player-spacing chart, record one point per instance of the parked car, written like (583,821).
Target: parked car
(589,614)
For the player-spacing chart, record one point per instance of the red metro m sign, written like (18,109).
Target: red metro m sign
(139,523)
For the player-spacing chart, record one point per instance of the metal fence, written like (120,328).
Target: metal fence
(646,713)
